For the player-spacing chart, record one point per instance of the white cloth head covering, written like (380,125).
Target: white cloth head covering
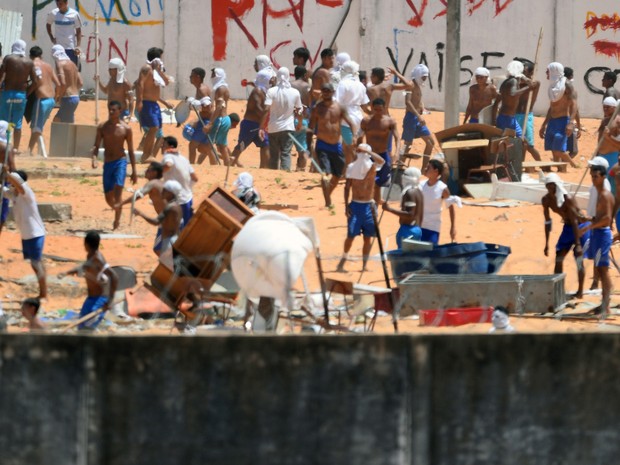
(4,127)
(560,192)
(262,62)
(159,81)
(362,164)
(500,322)
(244,181)
(17,177)
(263,79)
(418,73)
(350,70)
(341,59)
(284,76)
(119,65)
(411,178)
(59,54)
(482,71)
(599,161)
(18,48)
(515,68)
(557,81)
(610,102)
(173,186)
(219,80)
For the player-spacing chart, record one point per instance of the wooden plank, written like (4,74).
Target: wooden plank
(532,166)
(479,191)
(465,144)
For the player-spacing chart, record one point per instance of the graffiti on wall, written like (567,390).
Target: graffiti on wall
(593,26)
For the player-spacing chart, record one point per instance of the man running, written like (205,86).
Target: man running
(44,93)
(68,93)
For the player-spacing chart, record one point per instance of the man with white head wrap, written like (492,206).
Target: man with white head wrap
(281,102)
(337,72)
(572,144)
(414,125)
(351,95)
(118,87)
(16,70)
(177,168)
(482,94)
(245,191)
(558,123)
(303,137)
(70,84)
(67,27)
(509,94)
(198,139)
(558,201)
(322,74)
(255,112)
(609,141)
(360,184)
(530,97)
(171,217)
(220,122)
(411,212)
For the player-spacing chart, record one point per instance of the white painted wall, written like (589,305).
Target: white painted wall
(185,29)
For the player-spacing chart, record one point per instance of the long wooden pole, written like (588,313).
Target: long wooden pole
(530,94)
(96,19)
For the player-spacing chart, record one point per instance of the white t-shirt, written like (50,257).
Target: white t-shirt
(433,198)
(26,213)
(180,170)
(351,94)
(282,102)
(65,25)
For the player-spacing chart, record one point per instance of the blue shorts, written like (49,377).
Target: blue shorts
(194,133)
(555,135)
(567,240)
(158,243)
(600,245)
(412,129)
(33,248)
(408,231)
(361,221)
(508,122)
(92,304)
(248,133)
(150,116)
(330,157)
(347,135)
(474,120)
(219,130)
(160,132)
(612,159)
(66,112)
(114,174)
(187,212)
(125,113)
(430,236)
(42,113)
(4,212)
(384,175)
(529,130)
(300,137)
(13,106)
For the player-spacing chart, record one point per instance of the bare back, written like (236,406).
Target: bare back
(203,90)
(525,96)
(509,99)
(48,80)
(304,91)
(94,274)
(16,71)
(382,91)
(170,220)
(155,188)
(321,76)
(69,78)
(222,95)
(412,202)
(149,90)
(256,106)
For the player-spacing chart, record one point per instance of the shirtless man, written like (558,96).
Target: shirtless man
(118,87)
(411,212)
(562,108)
(326,118)
(169,220)
(254,113)
(360,182)
(509,95)
(572,145)
(528,128)
(322,74)
(301,124)
(114,133)
(382,88)
(220,123)
(609,81)
(558,201)
(197,79)
(99,279)
(601,238)
(301,55)
(482,94)
(414,125)
(198,141)
(379,128)
(148,93)
(45,91)
(16,70)
(68,93)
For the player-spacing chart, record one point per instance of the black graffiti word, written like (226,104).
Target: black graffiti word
(587,78)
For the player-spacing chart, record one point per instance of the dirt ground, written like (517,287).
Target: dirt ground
(295,194)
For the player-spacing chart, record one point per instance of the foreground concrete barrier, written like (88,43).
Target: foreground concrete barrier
(515,399)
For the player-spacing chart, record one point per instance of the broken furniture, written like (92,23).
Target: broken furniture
(499,148)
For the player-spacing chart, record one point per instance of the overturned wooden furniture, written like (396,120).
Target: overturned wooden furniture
(202,251)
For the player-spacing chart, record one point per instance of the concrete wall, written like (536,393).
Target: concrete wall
(231,32)
(437,400)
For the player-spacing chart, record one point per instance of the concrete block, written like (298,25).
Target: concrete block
(51,212)
(62,140)
(85,135)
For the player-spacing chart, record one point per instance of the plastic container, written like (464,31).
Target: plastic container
(455,316)
(496,256)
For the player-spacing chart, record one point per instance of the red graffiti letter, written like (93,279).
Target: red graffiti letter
(113,45)
(330,3)
(221,12)
(418,14)
(90,58)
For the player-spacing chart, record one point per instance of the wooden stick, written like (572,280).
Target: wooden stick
(531,93)
(81,320)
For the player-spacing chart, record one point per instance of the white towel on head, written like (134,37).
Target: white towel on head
(205,101)
(119,65)
(341,59)
(350,70)
(159,81)
(610,102)
(482,71)
(362,164)
(560,192)
(244,181)
(219,80)
(18,48)
(418,73)
(59,54)
(4,127)
(262,62)
(557,81)
(515,69)
(411,178)
(263,79)
(284,77)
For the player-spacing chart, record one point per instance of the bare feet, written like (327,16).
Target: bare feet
(325,189)
(115,225)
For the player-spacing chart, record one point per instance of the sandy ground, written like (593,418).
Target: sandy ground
(296,194)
